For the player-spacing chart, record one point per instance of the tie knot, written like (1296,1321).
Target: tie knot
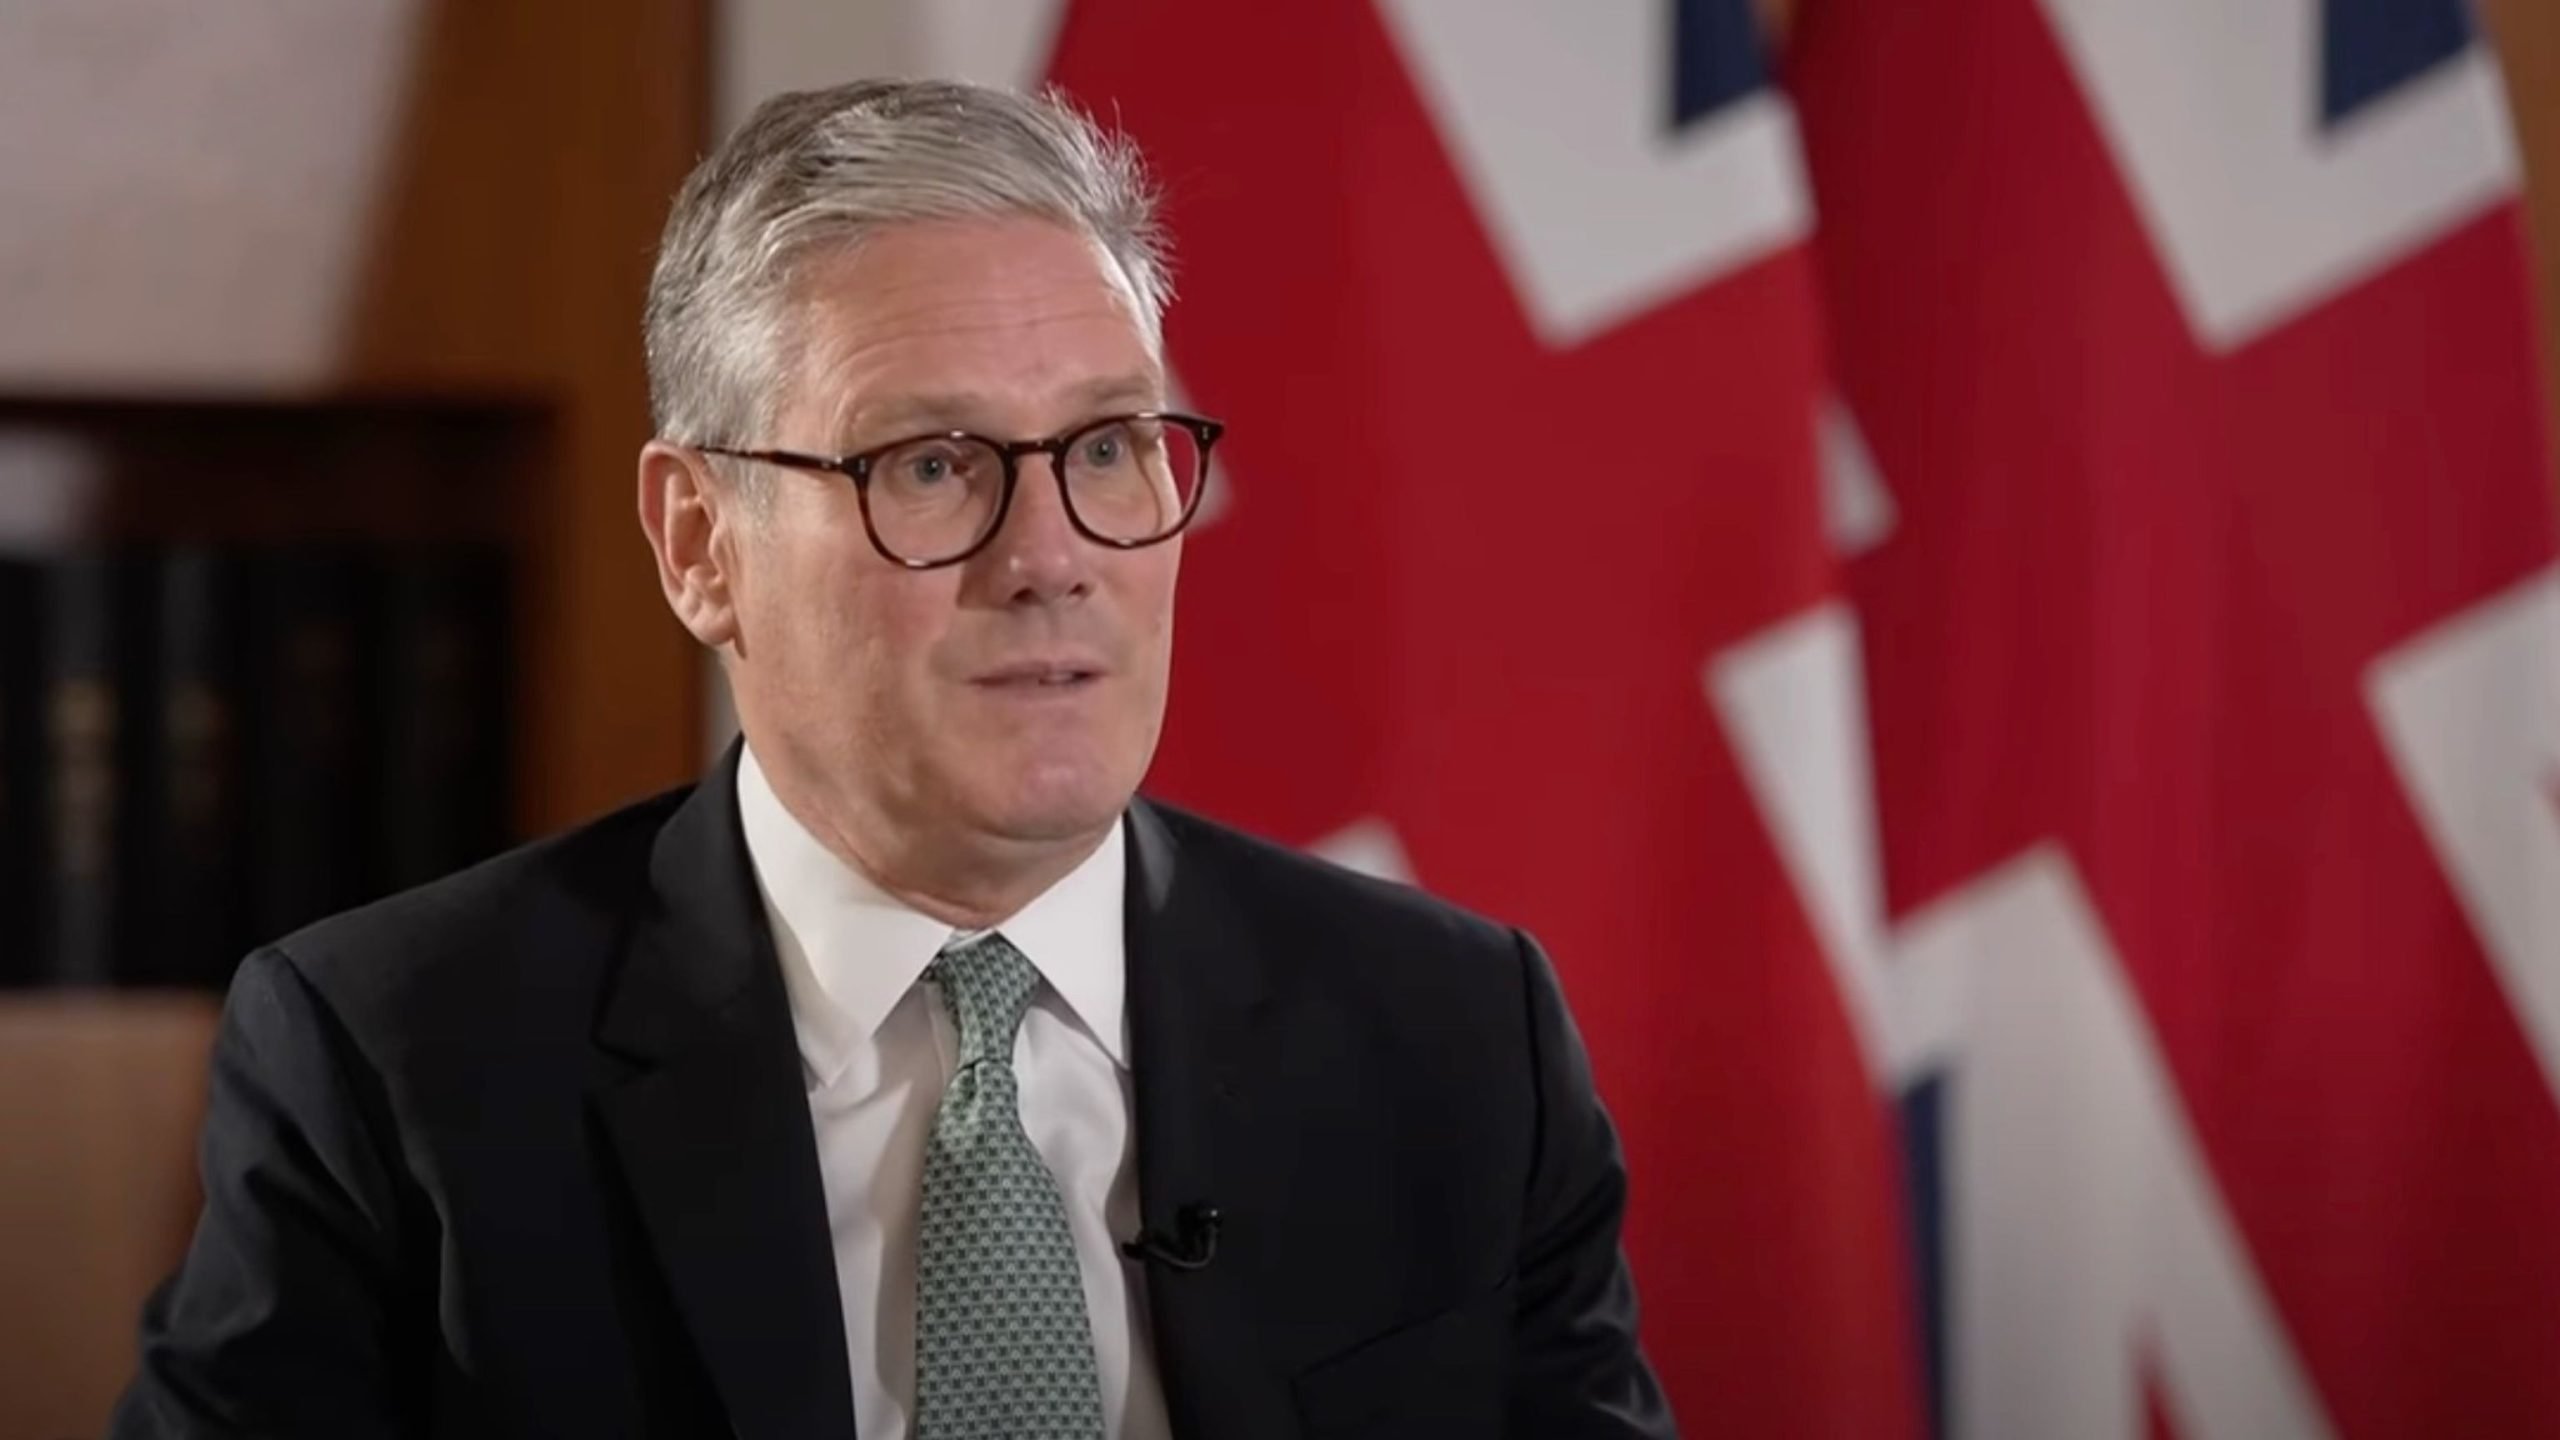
(987,984)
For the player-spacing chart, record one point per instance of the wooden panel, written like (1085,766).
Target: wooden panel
(2528,33)
(543,142)
(99,1100)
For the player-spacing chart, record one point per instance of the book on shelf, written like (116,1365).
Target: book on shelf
(442,682)
(192,783)
(306,699)
(21,772)
(87,673)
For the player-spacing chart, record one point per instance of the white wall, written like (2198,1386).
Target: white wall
(186,190)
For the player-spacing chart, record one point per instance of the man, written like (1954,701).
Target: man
(908,1076)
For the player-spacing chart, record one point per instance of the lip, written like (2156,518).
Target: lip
(1058,670)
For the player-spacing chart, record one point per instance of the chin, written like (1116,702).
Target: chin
(1057,802)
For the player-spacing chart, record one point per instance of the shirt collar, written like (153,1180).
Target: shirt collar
(1072,931)
(849,950)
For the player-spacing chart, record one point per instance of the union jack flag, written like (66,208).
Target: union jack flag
(2027,709)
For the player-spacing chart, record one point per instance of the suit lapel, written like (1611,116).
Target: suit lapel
(1197,1002)
(711,1124)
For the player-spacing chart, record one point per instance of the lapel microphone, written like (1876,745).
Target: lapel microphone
(1192,1246)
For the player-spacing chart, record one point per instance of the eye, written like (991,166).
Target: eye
(1105,448)
(930,466)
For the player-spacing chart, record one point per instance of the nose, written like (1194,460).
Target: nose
(1036,556)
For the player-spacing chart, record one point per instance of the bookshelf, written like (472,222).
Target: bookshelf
(262,667)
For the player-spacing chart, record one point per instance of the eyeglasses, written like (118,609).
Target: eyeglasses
(1128,481)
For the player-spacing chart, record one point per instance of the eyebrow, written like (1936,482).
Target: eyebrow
(899,415)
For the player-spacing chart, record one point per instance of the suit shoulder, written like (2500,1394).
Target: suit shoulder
(562,895)
(1304,892)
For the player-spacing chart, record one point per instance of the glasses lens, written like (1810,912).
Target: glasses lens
(933,499)
(1134,479)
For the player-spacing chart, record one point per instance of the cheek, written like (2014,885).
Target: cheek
(847,634)
(883,644)
(808,607)
(1149,591)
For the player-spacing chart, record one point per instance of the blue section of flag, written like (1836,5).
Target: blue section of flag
(1715,57)
(1924,1169)
(2368,48)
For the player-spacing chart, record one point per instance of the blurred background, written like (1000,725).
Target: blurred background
(1983,573)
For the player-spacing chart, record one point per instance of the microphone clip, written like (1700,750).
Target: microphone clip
(1192,1246)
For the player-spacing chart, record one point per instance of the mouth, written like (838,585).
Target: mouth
(1040,676)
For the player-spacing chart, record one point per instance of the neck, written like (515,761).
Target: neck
(969,882)
(968,887)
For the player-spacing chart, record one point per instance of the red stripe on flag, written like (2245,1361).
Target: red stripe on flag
(2156,1424)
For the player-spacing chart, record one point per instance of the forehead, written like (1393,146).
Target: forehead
(1003,317)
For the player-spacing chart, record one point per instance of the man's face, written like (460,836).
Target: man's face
(1016,696)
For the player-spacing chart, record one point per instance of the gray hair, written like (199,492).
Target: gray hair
(815,170)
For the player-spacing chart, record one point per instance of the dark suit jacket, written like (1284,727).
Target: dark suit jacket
(527,1152)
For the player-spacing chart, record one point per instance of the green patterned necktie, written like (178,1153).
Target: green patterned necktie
(1003,1348)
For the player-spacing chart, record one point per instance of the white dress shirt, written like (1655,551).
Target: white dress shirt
(877,1047)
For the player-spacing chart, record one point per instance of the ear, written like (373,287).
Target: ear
(692,519)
